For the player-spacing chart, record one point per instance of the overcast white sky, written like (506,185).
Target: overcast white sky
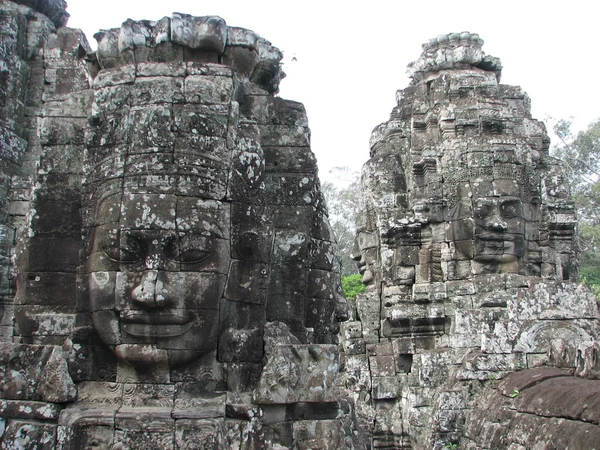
(351,57)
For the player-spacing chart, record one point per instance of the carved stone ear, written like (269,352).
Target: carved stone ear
(248,245)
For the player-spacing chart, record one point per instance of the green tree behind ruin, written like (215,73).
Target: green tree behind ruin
(342,196)
(580,153)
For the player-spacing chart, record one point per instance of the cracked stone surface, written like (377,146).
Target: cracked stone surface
(162,221)
(169,279)
(465,242)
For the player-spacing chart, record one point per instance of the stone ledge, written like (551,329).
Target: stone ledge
(55,10)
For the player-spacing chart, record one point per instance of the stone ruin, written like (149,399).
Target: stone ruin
(169,279)
(176,280)
(466,245)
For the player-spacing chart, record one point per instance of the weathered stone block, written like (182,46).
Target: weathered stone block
(317,312)
(354,346)
(204,33)
(29,435)
(324,434)
(324,255)
(242,327)
(289,159)
(319,284)
(288,308)
(35,373)
(285,135)
(299,373)
(203,433)
(292,189)
(29,410)
(247,282)
(208,89)
(385,387)
(351,330)
(382,366)
(158,89)
(357,376)
(52,289)
(290,248)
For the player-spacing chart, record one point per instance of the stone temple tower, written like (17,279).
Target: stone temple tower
(466,246)
(176,279)
(169,279)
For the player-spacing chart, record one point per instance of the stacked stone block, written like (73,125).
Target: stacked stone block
(466,243)
(175,258)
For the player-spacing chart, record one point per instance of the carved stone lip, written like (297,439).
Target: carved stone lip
(180,318)
(495,236)
(146,326)
(158,324)
(145,331)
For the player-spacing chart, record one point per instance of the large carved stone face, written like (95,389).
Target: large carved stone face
(490,231)
(499,230)
(156,276)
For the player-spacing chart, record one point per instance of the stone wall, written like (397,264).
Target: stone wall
(31,56)
(466,246)
(169,279)
(177,279)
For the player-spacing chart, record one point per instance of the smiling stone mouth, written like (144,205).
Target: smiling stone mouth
(160,325)
(495,237)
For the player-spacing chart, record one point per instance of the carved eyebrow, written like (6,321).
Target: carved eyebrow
(510,201)
(194,240)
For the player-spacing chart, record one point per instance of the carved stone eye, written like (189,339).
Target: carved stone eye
(482,210)
(121,255)
(193,256)
(510,209)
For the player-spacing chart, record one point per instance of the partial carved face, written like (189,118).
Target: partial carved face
(157,270)
(365,254)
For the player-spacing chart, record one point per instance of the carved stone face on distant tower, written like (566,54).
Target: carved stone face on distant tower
(466,243)
(459,185)
(499,230)
(490,228)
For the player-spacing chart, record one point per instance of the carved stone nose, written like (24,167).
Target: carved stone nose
(496,224)
(367,276)
(145,292)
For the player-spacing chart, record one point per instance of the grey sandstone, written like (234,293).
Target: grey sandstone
(466,245)
(169,279)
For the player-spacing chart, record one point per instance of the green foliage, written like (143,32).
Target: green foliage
(580,155)
(515,393)
(342,196)
(352,286)
(451,446)
(591,277)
